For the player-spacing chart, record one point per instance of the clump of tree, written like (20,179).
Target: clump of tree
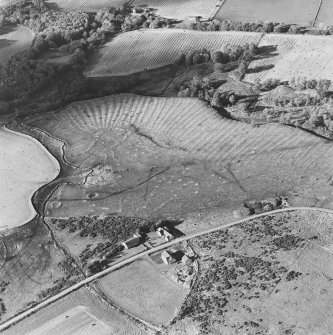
(261,206)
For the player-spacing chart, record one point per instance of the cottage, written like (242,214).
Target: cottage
(167,257)
(132,242)
(162,232)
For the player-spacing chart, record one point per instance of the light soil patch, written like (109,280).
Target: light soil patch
(75,314)
(13,41)
(21,176)
(143,292)
(295,55)
(86,6)
(290,12)
(150,49)
(180,9)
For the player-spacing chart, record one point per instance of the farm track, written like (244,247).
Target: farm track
(120,264)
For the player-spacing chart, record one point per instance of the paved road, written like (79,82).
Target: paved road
(144,253)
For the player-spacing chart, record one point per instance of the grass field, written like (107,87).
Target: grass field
(13,40)
(293,56)
(75,314)
(149,49)
(268,276)
(143,292)
(86,6)
(290,12)
(171,156)
(180,9)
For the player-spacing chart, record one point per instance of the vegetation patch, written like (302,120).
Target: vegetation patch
(247,271)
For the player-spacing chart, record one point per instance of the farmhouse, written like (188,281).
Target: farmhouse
(167,257)
(162,232)
(132,242)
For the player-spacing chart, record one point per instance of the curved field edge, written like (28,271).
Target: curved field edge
(12,188)
(17,40)
(148,49)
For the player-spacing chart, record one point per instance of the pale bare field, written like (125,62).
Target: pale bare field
(295,55)
(150,49)
(86,6)
(180,9)
(142,291)
(21,176)
(301,12)
(17,39)
(75,314)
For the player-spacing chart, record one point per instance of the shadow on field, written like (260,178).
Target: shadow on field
(7,28)
(267,51)
(261,68)
(5,43)
(53,6)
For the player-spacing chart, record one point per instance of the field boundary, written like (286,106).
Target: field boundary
(120,264)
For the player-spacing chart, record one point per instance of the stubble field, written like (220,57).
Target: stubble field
(301,12)
(293,56)
(86,6)
(180,9)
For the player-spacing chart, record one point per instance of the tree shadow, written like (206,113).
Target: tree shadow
(4,43)
(260,68)
(53,6)
(7,28)
(267,51)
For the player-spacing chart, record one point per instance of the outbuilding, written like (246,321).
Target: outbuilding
(131,242)
(167,257)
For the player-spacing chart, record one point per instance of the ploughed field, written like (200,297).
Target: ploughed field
(13,39)
(181,9)
(150,49)
(271,275)
(287,11)
(143,292)
(165,157)
(286,56)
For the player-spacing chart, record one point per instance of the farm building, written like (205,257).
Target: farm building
(186,260)
(132,242)
(162,232)
(167,257)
